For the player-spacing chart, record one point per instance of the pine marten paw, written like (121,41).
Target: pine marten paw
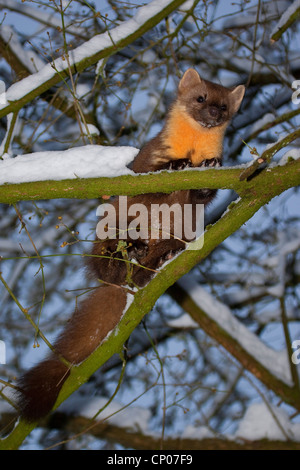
(137,249)
(212,162)
(180,164)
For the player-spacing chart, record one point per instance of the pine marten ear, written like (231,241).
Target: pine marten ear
(190,79)
(236,96)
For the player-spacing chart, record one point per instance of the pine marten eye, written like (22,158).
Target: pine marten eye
(224,107)
(200,99)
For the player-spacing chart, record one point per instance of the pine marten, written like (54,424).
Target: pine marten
(191,137)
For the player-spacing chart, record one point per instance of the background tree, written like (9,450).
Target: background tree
(79,73)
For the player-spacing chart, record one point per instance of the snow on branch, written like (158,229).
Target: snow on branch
(287,19)
(90,52)
(90,161)
(248,16)
(90,171)
(274,361)
(40,16)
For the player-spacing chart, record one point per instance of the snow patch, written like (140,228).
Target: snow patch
(266,422)
(134,418)
(184,321)
(286,16)
(274,361)
(90,161)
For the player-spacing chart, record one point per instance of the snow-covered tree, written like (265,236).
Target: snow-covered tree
(215,364)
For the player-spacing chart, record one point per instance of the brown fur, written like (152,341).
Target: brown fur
(193,130)
(192,137)
(91,322)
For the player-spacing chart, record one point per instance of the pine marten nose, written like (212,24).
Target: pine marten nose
(214,112)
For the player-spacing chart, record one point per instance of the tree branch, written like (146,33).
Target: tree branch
(282,177)
(260,191)
(269,153)
(288,393)
(78,425)
(99,47)
(291,15)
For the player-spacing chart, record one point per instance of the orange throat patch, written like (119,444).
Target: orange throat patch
(186,138)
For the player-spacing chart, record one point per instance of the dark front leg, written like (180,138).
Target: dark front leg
(204,196)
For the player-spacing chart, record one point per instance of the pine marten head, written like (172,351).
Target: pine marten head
(207,103)
(195,125)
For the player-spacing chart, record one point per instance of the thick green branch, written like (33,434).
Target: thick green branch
(90,188)
(260,190)
(145,298)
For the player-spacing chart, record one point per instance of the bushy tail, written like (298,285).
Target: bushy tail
(89,325)
(39,388)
